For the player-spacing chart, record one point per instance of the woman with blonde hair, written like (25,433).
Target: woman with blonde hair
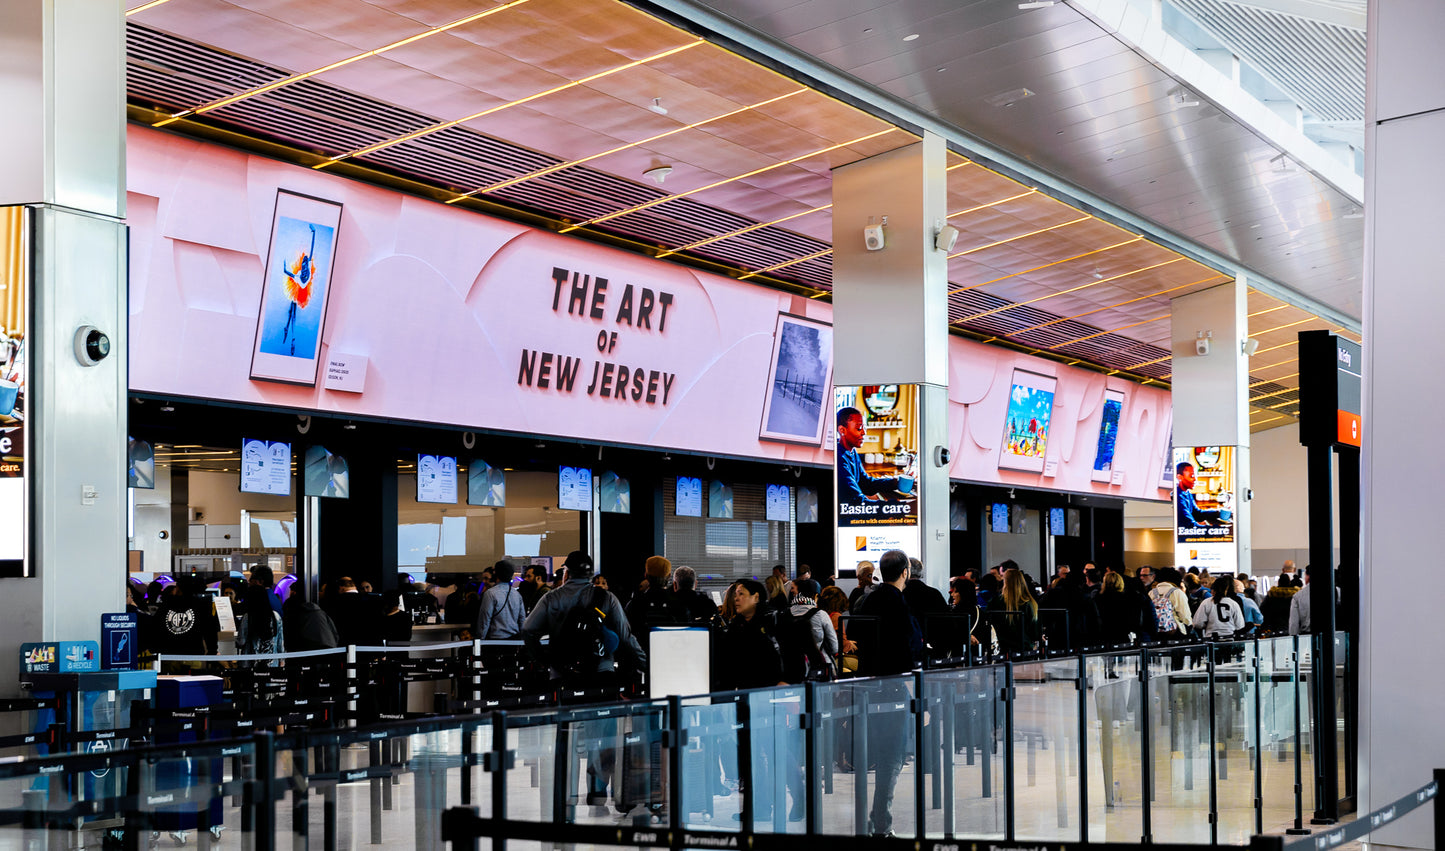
(777,593)
(1014,614)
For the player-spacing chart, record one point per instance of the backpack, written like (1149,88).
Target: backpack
(802,659)
(580,641)
(1164,622)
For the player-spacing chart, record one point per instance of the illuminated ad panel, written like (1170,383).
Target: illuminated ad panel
(876,465)
(1204,478)
(14,312)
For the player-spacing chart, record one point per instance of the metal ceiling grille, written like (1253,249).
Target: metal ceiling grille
(1321,64)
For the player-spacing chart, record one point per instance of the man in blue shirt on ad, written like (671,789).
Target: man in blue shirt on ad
(1189,514)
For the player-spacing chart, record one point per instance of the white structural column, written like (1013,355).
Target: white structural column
(1402,650)
(63,154)
(1211,391)
(890,306)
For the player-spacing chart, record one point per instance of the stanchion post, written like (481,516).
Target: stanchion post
(1210,658)
(352,685)
(1008,751)
(1083,749)
(920,727)
(476,676)
(265,798)
(498,768)
(1146,748)
(675,739)
(1299,828)
(1440,808)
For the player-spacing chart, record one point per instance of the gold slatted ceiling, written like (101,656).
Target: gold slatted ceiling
(601,82)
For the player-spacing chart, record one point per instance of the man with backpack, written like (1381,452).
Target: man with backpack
(1172,617)
(655,606)
(591,652)
(809,642)
(588,631)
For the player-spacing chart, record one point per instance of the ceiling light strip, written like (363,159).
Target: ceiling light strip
(1258,334)
(1079,316)
(647,205)
(342,63)
(1253,399)
(1021,236)
(1018,304)
(1110,331)
(993,203)
(1271,419)
(553,169)
(795,261)
(741,231)
(1268,310)
(1264,381)
(145,6)
(1047,265)
(426,131)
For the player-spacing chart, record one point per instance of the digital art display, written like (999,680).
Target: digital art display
(798,380)
(486,485)
(1026,423)
(295,289)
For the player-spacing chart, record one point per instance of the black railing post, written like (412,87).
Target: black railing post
(1210,658)
(1259,737)
(920,730)
(675,740)
(1083,749)
(265,797)
(745,763)
(1008,752)
(812,754)
(497,767)
(1440,808)
(1146,748)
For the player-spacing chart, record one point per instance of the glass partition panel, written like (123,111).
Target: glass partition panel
(868,730)
(1309,724)
(1046,750)
(1235,738)
(1344,716)
(775,744)
(710,778)
(962,753)
(1179,744)
(1116,752)
(1277,725)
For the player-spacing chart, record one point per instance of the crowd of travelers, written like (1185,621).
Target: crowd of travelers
(768,632)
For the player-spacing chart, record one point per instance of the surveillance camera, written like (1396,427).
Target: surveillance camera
(941,456)
(91,345)
(873,237)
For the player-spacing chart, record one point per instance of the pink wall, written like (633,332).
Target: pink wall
(443,303)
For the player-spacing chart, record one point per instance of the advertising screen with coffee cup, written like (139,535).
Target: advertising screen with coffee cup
(876,464)
(14,311)
(1204,481)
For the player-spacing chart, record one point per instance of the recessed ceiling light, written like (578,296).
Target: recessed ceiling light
(658,173)
(657,107)
(941,70)
(1036,4)
(911,37)
(867,30)
(1008,98)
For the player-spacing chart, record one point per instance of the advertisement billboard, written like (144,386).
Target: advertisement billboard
(1204,482)
(14,312)
(876,465)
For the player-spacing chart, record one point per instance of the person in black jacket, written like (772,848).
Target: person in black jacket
(1121,612)
(693,606)
(899,647)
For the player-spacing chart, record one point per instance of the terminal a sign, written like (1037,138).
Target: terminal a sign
(1330,394)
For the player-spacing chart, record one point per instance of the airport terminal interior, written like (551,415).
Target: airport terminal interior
(701,423)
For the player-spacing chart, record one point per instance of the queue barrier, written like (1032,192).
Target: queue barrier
(1011,753)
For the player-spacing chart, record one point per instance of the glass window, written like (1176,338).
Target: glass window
(463,538)
(722,550)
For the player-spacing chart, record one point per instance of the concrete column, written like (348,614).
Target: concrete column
(1402,649)
(890,306)
(62,79)
(1211,391)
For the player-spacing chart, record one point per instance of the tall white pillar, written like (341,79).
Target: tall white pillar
(1402,633)
(1211,391)
(890,306)
(62,81)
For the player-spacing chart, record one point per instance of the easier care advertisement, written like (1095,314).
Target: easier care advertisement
(1204,478)
(876,464)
